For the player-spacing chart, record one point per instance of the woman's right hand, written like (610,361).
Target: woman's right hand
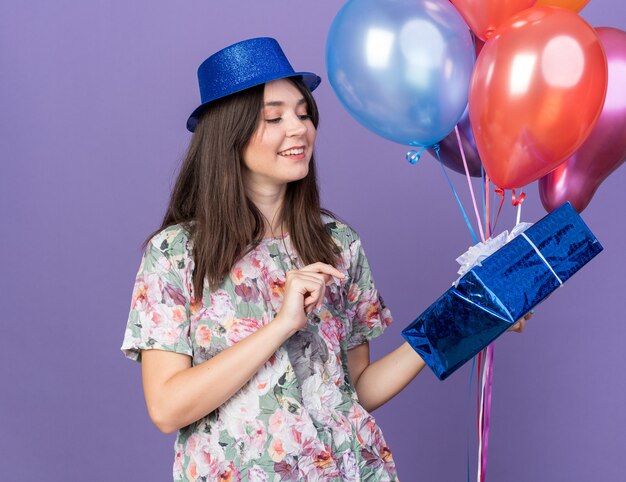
(304,292)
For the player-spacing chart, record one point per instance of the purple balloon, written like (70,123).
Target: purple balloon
(578,178)
(449,148)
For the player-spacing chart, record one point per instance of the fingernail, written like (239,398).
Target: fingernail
(532,312)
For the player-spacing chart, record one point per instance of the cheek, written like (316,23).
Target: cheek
(259,148)
(270,143)
(311,135)
(249,156)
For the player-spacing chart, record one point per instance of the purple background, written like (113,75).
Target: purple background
(94,97)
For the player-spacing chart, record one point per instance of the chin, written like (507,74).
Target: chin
(298,176)
(300,172)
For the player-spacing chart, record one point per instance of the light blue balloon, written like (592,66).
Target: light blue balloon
(401,68)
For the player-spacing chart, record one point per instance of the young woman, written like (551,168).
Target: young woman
(253,307)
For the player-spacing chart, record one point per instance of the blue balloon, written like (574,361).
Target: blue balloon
(401,68)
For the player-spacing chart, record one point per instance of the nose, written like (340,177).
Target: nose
(297,127)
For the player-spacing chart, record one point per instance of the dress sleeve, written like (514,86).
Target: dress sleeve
(365,309)
(160,306)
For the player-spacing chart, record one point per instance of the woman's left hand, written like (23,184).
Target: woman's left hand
(521,323)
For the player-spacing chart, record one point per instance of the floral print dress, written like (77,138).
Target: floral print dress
(298,418)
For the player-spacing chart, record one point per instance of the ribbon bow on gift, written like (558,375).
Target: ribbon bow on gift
(476,254)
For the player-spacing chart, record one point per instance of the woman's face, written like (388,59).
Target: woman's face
(282,145)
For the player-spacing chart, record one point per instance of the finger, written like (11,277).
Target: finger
(311,275)
(311,287)
(314,304)
(324,268)
(312,298)
(324,278)
(308,309)
(514,326)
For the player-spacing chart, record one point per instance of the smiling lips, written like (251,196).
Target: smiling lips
(293,152)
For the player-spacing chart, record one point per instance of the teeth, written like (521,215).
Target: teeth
(292,152)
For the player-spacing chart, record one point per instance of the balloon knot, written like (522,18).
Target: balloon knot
(413,156)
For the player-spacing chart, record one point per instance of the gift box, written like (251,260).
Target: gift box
(492,296)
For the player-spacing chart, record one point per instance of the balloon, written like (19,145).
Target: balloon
(536,93)
(449,152)
(574,5)
(449,149)
(478,45)
(401,67)
(577,179)
(485,16)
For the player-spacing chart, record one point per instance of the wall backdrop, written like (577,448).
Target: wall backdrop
(93,102)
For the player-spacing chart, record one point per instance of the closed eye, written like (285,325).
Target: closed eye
(276,120)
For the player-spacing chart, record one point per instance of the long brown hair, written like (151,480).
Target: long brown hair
(210,202)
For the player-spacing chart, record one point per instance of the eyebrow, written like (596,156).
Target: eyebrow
(273,103)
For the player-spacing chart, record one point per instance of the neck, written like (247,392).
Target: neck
(268,199)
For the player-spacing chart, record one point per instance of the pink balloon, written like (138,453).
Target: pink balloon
(578,178)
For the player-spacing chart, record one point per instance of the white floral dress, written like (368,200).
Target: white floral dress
(298,418)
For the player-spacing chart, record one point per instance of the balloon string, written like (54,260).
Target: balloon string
(487,213)
(517,201)
(469,183)
(481,414)
(486,386)
(478,371)
(413,156)
(491,349)
(482,196)
(500,192)
(469,400)
(485,389)
(477,360)
(486,412)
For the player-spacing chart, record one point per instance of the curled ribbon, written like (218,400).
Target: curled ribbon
(515,201)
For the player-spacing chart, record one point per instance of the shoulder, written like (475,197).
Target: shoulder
(172,241)
(340,231)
